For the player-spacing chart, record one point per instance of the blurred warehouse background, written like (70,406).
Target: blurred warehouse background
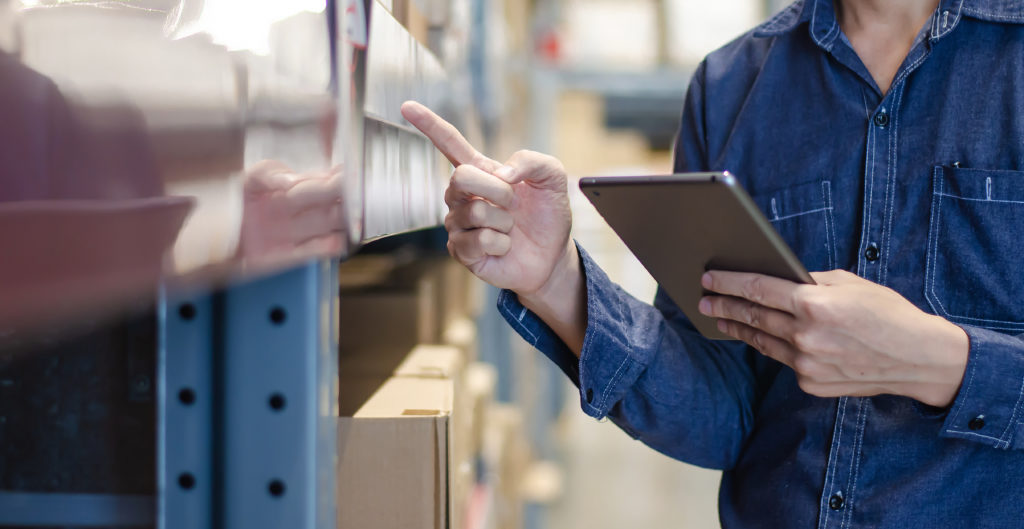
(146,147)
(599,84)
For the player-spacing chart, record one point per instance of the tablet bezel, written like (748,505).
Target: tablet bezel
(718,190)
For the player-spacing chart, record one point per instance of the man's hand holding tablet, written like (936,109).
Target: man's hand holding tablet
(509,224)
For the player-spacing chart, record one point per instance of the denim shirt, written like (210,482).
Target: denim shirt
(920,189)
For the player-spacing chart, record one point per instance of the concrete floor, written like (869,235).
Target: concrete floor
(612,482)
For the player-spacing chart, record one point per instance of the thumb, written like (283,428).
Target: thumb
(534,167)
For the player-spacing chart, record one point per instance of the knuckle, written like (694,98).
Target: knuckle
(479,160)
(522,153)
(485,237)
(806,366)
(477,213)
(753,314)
(458,180)
(803,340)
(759,341)
(810,305)
(453,249)
(752,289)
(718,307)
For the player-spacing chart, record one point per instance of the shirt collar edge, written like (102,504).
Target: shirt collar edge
(992,11)
(784,21)
(988,10)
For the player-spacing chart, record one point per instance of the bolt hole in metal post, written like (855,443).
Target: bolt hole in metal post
(187,311)
(277,402)
(186,481)
(276,488)
(278,315)
(187,396)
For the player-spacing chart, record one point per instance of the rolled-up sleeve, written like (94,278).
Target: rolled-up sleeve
(648,370)
(989,407)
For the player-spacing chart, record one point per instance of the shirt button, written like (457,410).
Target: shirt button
(836,502)
(590,395)
(882,118)
(977,423)
(871,253)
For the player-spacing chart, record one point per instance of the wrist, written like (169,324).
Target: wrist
(950,348)
(561,301)
(565,277)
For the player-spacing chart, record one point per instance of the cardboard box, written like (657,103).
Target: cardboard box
(364,271)
(464,293)
(481,382)
(423,361)
(393,454)
(392,318)
(433,361)
(455,293)
(461,333)
(381,387)
(506,453)
(415,303)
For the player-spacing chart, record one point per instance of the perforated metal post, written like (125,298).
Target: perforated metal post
(270,435)
(186,410)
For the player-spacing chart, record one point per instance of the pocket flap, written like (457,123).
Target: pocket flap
(802,215)
(980,184)
(801,199)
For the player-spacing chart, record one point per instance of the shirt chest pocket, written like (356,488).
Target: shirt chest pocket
(803,216)
(975,266)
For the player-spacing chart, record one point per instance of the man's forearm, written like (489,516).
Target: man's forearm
(562,301)
(941,378)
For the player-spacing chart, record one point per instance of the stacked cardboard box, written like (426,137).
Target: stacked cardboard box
(389,317)
(416,404)
(394,450)
(481,380)
(506,455)
(386,302)
(423,405)
(409,405)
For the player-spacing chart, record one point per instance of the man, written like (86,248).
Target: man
(883,137)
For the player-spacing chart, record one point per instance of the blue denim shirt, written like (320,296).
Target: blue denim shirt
(920,189)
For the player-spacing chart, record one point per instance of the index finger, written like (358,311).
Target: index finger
(446,137)
(764,290)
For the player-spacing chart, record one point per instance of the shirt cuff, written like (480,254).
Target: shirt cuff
(605,370)
(988,407)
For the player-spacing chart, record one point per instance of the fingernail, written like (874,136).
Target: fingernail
(721,326)
(505,172)
(705,280)
(704,306)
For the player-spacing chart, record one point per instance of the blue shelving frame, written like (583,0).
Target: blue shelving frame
(248,385)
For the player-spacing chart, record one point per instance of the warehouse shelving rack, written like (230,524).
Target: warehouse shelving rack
(245,369)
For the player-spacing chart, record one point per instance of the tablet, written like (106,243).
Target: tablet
(681,225)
